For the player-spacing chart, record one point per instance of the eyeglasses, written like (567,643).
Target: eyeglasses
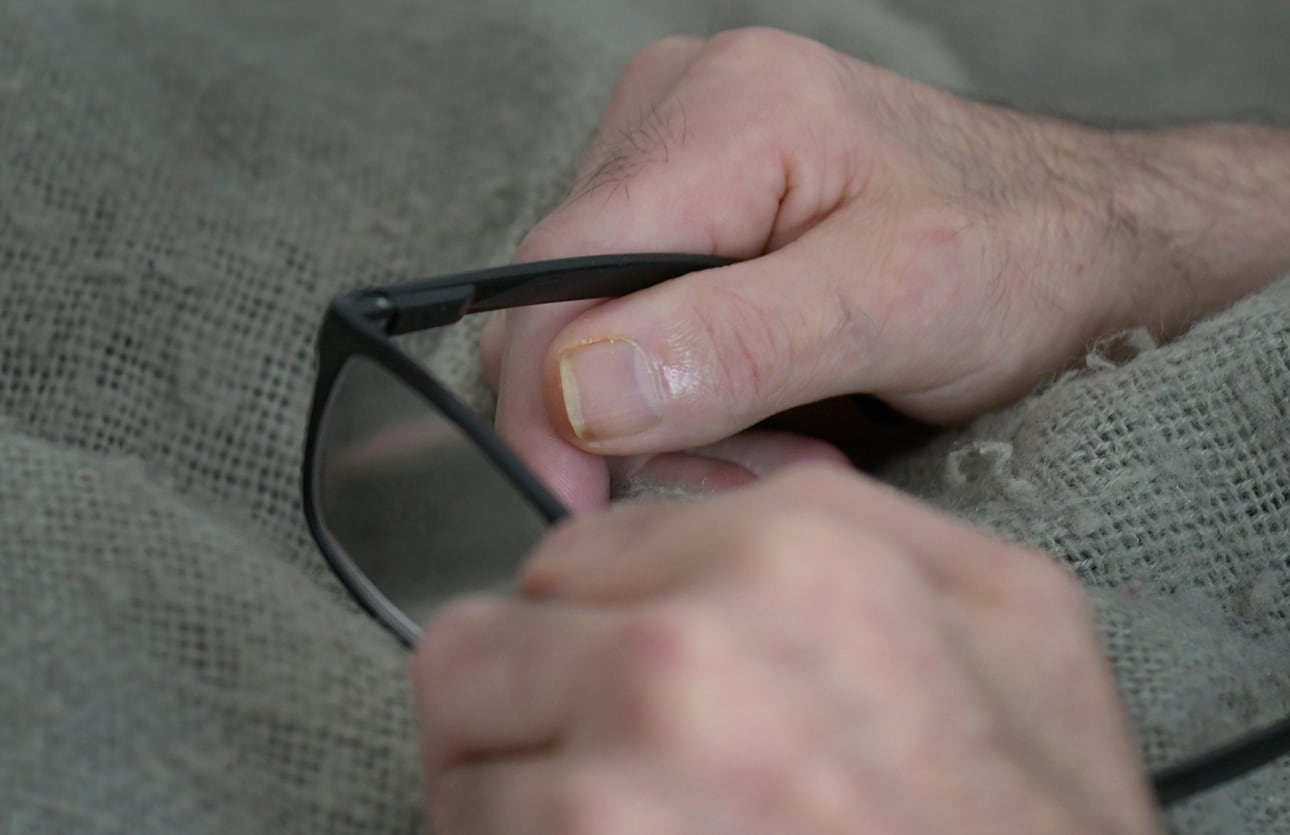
(409,494)
(413,500)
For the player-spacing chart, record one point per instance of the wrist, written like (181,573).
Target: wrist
(1202,214)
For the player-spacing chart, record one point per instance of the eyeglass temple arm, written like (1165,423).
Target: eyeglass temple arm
(417,305)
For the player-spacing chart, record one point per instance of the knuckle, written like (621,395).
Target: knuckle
(750,345)
(761,345)
(661,661)
(658,55)
(658,645)
(786,61)
(752,45)
(752,61)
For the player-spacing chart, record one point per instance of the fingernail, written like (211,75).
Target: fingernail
(610,389)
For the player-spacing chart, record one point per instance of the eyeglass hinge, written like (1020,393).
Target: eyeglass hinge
(421,308)
(372,305)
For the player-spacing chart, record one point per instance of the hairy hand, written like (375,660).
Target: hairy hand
(942,254)
(813,654)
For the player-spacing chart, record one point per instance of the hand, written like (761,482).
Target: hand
(811,654)
(942,254)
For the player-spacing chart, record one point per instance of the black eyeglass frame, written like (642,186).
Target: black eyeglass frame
(362,322)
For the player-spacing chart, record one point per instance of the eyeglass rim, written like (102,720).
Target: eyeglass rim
(362,322)
(347,334)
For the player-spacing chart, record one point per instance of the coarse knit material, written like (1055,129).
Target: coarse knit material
(183,185)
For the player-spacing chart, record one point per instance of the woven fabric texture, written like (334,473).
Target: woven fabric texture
(1164,481)
(182,187)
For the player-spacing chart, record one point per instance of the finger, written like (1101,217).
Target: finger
(550,795)
(764,453)
(943,548)
(716,468)
(495,675)
(675,475)
(689,362)
(947,550)
(588,557)
(639,549)
(577,478)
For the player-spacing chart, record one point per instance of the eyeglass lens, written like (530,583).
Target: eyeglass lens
(410,500)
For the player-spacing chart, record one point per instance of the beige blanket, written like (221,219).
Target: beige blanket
(184,184)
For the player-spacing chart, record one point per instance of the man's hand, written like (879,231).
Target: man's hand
(813,654)
(942,254)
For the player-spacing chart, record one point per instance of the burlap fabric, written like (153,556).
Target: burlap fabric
(183,185)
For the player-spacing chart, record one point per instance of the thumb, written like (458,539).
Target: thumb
(692,361)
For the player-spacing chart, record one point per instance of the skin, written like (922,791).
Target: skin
(941,254)
(910,675)
(664,672)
